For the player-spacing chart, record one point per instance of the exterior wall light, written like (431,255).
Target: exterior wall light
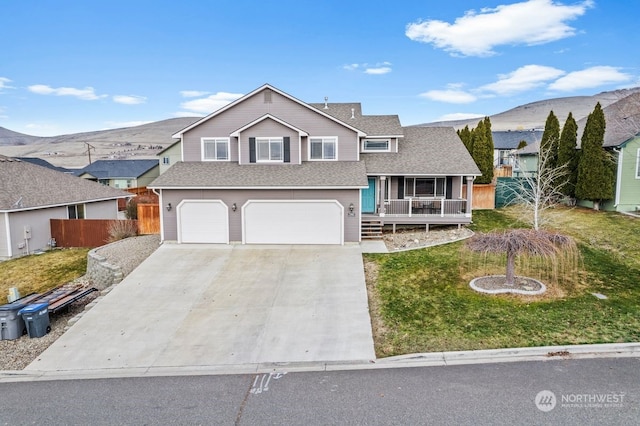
(168,207)
(234,207)
(351,207)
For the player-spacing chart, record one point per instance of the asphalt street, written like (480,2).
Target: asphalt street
(567,392)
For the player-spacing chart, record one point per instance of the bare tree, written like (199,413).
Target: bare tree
(515,242)
(536,193)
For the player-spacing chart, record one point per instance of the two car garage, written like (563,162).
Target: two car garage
(261,222)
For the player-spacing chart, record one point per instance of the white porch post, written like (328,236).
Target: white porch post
(469,195)
(383,182)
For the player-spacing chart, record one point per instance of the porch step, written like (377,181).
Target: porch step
(371,229)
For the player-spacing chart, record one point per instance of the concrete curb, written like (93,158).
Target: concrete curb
(429,359)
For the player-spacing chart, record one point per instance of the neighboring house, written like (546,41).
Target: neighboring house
(271,169)
(506,142)
(170,155)
(44,163)
(31,195)
(121,173)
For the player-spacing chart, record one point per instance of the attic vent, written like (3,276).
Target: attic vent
(326,100)
(353,113)
(267,96)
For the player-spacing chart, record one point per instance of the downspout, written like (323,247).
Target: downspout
(8,232)
(160,204)
(618,176)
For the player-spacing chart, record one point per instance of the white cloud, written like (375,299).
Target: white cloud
(378,71)
(524,78)
(478,33)
(452,95)
(87,94)
(192,93)
(459,116)
(589,78)
(372,69)
(210,103)
(129,99)
(4,84)
(188,114)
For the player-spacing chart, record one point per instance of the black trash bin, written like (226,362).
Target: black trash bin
(36,319)
(11,323)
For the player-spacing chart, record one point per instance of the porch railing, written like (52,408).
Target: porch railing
(425,207)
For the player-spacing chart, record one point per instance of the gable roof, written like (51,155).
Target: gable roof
(223,174)
(270,117)
(25,186)
(424,151)
(510,139)
(372,125)
(622,121)
(258,90)
(44,163)
(114,169)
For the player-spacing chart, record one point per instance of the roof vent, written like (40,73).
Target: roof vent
(353,113)
(326,105)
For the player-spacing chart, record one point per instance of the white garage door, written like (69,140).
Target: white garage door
(292,222)
(203,221)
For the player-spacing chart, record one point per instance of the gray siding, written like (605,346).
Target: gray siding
(285,109)
(38,220)
(101,210)
(269,128)
(240,197)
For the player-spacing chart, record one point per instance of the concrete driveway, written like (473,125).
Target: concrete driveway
(209,305)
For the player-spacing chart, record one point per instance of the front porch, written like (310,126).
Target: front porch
(422,211)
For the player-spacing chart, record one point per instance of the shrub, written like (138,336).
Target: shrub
(131,212)
(121,229)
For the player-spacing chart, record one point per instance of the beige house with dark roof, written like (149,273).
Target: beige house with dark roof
(271,169)
(31,195)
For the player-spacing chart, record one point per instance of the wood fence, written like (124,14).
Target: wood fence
(484,196)
(148,219)
(81,232)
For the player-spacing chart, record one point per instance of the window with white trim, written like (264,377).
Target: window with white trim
(166,160)
(76,211)
(269,149)
(424,187)
(323,148)
(376,145)
(215,149)
(638,164)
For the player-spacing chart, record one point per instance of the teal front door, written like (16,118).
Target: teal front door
(369,197)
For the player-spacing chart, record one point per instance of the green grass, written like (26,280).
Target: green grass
(425,303)
(41,272)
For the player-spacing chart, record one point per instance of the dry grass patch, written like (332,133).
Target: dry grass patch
(38,273)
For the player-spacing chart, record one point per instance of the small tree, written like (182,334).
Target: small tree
(596,176)
(482,151)
(517,242)
(465,136)
(535,194)
(522,144)
(568,155)
(550,139)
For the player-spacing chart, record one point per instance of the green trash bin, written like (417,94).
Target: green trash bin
(36,319)
(11,323)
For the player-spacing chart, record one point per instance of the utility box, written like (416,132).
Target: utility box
(36,319)
(11,323)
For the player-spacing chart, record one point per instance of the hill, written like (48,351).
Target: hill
(70,151)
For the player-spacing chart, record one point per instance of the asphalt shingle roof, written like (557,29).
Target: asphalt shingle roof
(510,139)
(198,174)
(24,185)
(424,150)
(372,125)
(113,169)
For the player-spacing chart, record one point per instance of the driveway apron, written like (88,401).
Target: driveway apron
(207,305)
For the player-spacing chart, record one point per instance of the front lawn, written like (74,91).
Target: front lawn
(38,273)
(422,301)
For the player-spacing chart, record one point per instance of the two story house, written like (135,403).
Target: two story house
(271,169)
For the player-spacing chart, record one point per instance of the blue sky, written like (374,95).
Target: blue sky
(71,66)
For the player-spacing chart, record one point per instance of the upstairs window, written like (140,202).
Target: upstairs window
(376,145)
(324,148)
(215,149)
(165,160)
(269,149)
